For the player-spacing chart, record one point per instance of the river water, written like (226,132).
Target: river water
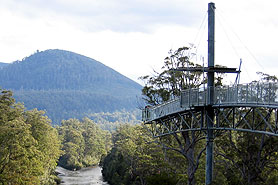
(85,176)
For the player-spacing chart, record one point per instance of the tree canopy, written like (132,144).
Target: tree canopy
(241,158)
(29,145)
(83,143)
(137,159)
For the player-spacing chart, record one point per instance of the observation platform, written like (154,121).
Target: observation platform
(244,95)
(228,104)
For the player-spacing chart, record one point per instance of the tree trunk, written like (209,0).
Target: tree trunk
(189,153)
(191,167)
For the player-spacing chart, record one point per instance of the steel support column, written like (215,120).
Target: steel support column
(210,111)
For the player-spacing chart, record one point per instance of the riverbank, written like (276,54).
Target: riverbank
(84,176)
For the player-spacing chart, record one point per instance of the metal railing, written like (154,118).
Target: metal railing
(248,94)
(151,113)
(253,93)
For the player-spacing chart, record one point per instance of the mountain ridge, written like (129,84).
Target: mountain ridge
(60,69)
(68,85)
(3,64)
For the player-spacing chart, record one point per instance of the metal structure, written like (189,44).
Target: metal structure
(243,107)
(233,106)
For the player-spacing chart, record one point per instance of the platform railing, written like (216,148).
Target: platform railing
(151,113)
(254,93)
(247,94)
(194,97)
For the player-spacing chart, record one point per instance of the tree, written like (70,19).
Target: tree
(73,144)
(137,159)
(167,85)
(48,142)
(250,158)
(25,152)
(84,143)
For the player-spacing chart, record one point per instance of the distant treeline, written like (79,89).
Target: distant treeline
(66,104)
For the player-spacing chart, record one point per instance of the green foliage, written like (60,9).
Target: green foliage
(84,143)
(164,86)
(247,158)
(110,121)
(168,85)
(66,104)
(267,78)
(60,70)
(137,159)
(68,85)
(242,158)
(162,179)
(29,145)
(47,139)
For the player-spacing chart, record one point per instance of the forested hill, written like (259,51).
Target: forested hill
(3,64)
(67,85)
(58,69)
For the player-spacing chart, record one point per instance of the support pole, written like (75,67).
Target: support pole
(210,112)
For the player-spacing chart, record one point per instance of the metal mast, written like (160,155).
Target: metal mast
(210,111)
(211,104)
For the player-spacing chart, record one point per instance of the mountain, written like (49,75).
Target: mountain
(3,64)
(68,85)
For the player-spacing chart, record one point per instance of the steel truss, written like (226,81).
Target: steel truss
(255,119)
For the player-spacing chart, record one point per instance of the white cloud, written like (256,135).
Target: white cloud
(120,15)
(134,36)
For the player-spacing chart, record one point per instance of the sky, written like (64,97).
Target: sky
(134,36)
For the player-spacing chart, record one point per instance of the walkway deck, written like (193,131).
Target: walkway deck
(243,95)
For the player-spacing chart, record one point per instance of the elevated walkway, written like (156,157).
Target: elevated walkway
(242,95)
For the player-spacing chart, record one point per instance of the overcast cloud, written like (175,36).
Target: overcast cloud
(115,15)
(134,36)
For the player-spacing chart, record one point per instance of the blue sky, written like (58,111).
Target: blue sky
(134,36)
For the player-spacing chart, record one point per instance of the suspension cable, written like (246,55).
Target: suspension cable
(244,45)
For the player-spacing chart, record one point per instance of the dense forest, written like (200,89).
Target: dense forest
(83,143)
(31,147)
(66,104)
(137,158)
(29,144)
(3,64)
(239,157)
(59,69)
(68,85)
(110,121)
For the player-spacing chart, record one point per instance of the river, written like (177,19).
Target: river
(85,176)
